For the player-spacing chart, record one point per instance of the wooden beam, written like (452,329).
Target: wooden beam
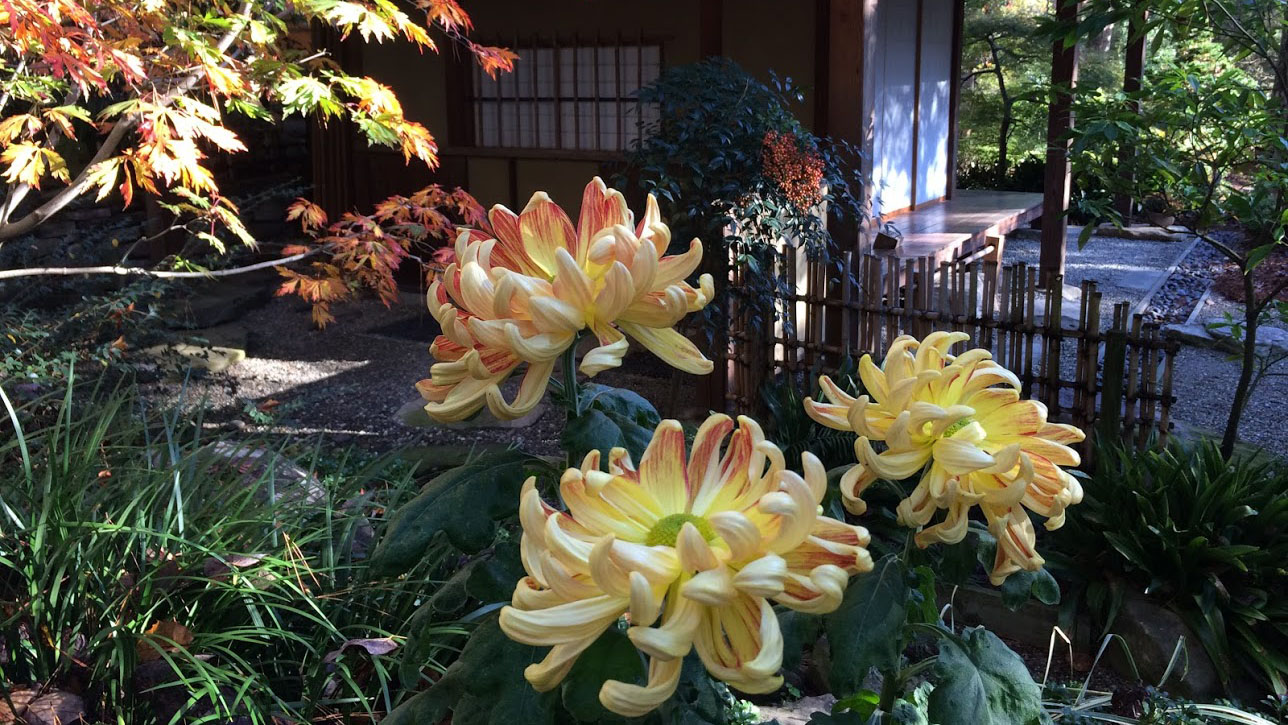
(1133,71)
(822,64)
(1056,183)
(954,92)
(916,103)
(710,28)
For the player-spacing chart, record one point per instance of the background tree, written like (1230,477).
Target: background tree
(1006,68)
(1210,135)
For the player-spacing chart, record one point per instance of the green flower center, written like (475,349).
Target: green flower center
(950,430)
(666,531)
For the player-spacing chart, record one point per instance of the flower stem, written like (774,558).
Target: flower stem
(569,365)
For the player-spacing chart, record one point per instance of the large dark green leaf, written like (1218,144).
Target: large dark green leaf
(866,630)
(611,657)
(1019,586)
(799,630)
(487,578)
(982,681)
(484,686)
(462,503)
(610,418)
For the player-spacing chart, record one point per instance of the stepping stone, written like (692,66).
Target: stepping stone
(212,358)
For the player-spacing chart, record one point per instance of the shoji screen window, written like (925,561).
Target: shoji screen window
(578,97)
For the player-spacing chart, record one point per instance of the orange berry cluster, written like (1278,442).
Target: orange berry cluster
(797,171)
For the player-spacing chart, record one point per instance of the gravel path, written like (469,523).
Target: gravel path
(350,381)
(1124,269)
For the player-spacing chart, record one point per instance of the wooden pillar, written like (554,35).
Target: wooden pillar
(335,175)
(1133,71)
(954,92)
(1056,183)
(711,28)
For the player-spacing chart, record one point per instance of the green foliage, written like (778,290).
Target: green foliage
(793,430)
(1006,73)
(1204,535)
(609,418)
(982,680)
(704,160)
(866,631)
(462,504)
(484,686)
(95,329)
(117,519)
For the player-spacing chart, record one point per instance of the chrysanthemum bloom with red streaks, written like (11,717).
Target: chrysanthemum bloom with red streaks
(691,552)
(521,291)
(959,420)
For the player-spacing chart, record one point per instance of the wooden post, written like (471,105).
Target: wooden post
(954,92)
(710,28)
(1055,201)
(1133,71)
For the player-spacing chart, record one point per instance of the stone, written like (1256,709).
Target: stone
(413,414)
(54,707)
(1190,334)
(1151,634)
(1138,278)
(1273,338)
(224,301)
(798,712)
(1139,232)
(259,467)
(212,358)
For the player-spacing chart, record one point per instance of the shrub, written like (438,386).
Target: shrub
(1205,535)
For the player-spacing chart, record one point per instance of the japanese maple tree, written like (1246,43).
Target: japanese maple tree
(101,97)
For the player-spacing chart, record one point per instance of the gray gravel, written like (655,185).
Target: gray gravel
(1124,269)
(1204,382)
(349,381)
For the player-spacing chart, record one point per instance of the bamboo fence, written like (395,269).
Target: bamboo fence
(1110,373)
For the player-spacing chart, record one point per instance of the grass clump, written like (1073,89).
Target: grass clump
(162,576)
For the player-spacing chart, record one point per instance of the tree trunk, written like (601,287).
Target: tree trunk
(1248,365)
(1003,144)
(1003,133)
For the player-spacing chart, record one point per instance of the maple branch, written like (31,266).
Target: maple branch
(155,274)
(36,217)
(22,68)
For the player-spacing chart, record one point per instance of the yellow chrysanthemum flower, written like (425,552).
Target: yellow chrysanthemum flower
(521,292)
(960,420)
(697,547)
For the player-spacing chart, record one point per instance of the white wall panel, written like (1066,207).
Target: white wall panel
(936,85)
(894,96)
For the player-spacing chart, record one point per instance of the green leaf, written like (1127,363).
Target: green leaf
(799,631)
(863,702)
(462,503)
(611,657)
(696,700)
(484,686)
(1040,584)
(865,631)
(610,418)
(982,681)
